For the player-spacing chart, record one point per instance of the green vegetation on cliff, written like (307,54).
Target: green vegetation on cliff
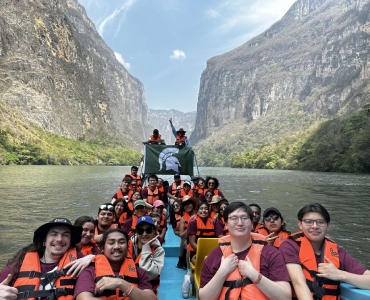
(40,147)
(338,145)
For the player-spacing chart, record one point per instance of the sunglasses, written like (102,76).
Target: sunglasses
(274,217)
(222,208)
(211,183)
(209,195)
(148,230)
(106,207)
(176,205)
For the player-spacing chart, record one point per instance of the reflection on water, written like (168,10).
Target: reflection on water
(33,195)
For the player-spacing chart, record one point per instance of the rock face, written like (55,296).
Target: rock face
(58,73)
(159,120)
(317,55)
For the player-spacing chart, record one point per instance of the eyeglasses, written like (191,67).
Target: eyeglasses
(222,208)
(235,219)
(209,195)
(176,205)
(148,230)
(310,222)
(274,217)
(106,207)
(211,183)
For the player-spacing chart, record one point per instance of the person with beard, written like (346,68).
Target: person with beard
(146,250)
(114,273)
(256,216)
(104,221)
(46,268)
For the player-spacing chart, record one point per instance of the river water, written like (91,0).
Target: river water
(33,195)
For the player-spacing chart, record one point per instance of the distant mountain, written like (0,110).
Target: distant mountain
(159,120)
(310,66)
(57,74)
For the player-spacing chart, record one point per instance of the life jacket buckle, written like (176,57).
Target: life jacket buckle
(26,295)
(239,283)
(32,274)
(60,292)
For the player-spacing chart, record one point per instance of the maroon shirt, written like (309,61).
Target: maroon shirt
(170,189)
(123,193)
(86,281)
(272,264)
(290,251)
(192,228)
(127,226)
(144,194)
(201,196)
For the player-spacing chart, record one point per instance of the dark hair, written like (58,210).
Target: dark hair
(155,130)
(209,191)
(141,197)
(314,207)
(153,176)
(214,179)
(202,203)
(127,179)
(173,213)
(134,167)
(105,236)
(283,227)
(106,204)
(84,219)
(235,206)
(154,214)
(125,207)
(160,179)
(255,205)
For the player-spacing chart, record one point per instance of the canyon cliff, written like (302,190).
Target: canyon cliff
(311,65)
(57,73)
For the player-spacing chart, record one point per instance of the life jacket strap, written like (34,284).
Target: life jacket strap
(53,275)
(52,294)
(234,284)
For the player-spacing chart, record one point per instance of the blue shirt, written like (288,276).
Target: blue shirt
(174,131)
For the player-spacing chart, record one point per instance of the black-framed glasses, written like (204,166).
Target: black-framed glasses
(235,219)
(319,222)
(273,217)
(148,230)
(106,207)
(176,205)
(209,195)
(222,208)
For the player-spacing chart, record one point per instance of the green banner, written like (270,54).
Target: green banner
(168,160)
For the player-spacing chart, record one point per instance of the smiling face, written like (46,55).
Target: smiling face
(188,207)
(136,196)
(176,207)
(239,228)
(222,209)
(208,196)
(152,182)
(157,222)
(314,233)
(88,231)
(115,247)
(57,242)
(203,211)
(215,207)
(273,225)
(211,184)
(144,237)
(201,184)
(119,209)
(140,211)
(124,185)
(134,171)
(105,218)
(186,188)
(159,209)
(160,182)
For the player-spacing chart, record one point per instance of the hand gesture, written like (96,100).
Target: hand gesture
(247,269)
(107,283)
(152,240)
(77,266)
(7,292)
(270,239)
(170,121)
(229,264)
(329,270)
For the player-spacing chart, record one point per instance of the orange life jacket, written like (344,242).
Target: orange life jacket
(120,194)
(205,191)
(29,281)
(113,226)
(213,213)
(133,225)
(282,236)
(259,225)
(329,289)
(154,282)
(183,194)
(127,272)
(161,226)
(137,177)
(87,249)
(130,206)
(161,189)
(178,218)
(152,195)
(174,188)
(153,140)
(226,231)
(186,219)
(204,231)
(180,139)
(235,285)
(121,221)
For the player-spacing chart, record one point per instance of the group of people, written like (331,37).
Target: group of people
(119,254)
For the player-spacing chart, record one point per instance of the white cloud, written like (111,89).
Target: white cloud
(122,61)
(124,8)
(211,13)
(178,54)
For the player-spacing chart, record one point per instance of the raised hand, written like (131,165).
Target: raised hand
(270,239)
(329,270)
(77,266)
(229,264)
(170,121)
(7,292)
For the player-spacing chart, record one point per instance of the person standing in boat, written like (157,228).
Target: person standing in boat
(114,273)
(87,245)
(155,139)
(53,250)
(124,191)
(146,250)
(316,263)
(256,216)
(181,139)
(175,187)
(104,221)
(243,267)
(134,175)
(273,227)
(212,184)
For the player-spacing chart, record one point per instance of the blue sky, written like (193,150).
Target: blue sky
(166,43)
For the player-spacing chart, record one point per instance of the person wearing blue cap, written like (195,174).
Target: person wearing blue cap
(146,250)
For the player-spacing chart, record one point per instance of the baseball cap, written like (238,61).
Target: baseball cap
(186,182)
(176,175)
(145,219)
(158,203)
(138,203)
(270,209)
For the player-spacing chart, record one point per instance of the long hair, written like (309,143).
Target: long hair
(181,211)
(208,178)
(125,207)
